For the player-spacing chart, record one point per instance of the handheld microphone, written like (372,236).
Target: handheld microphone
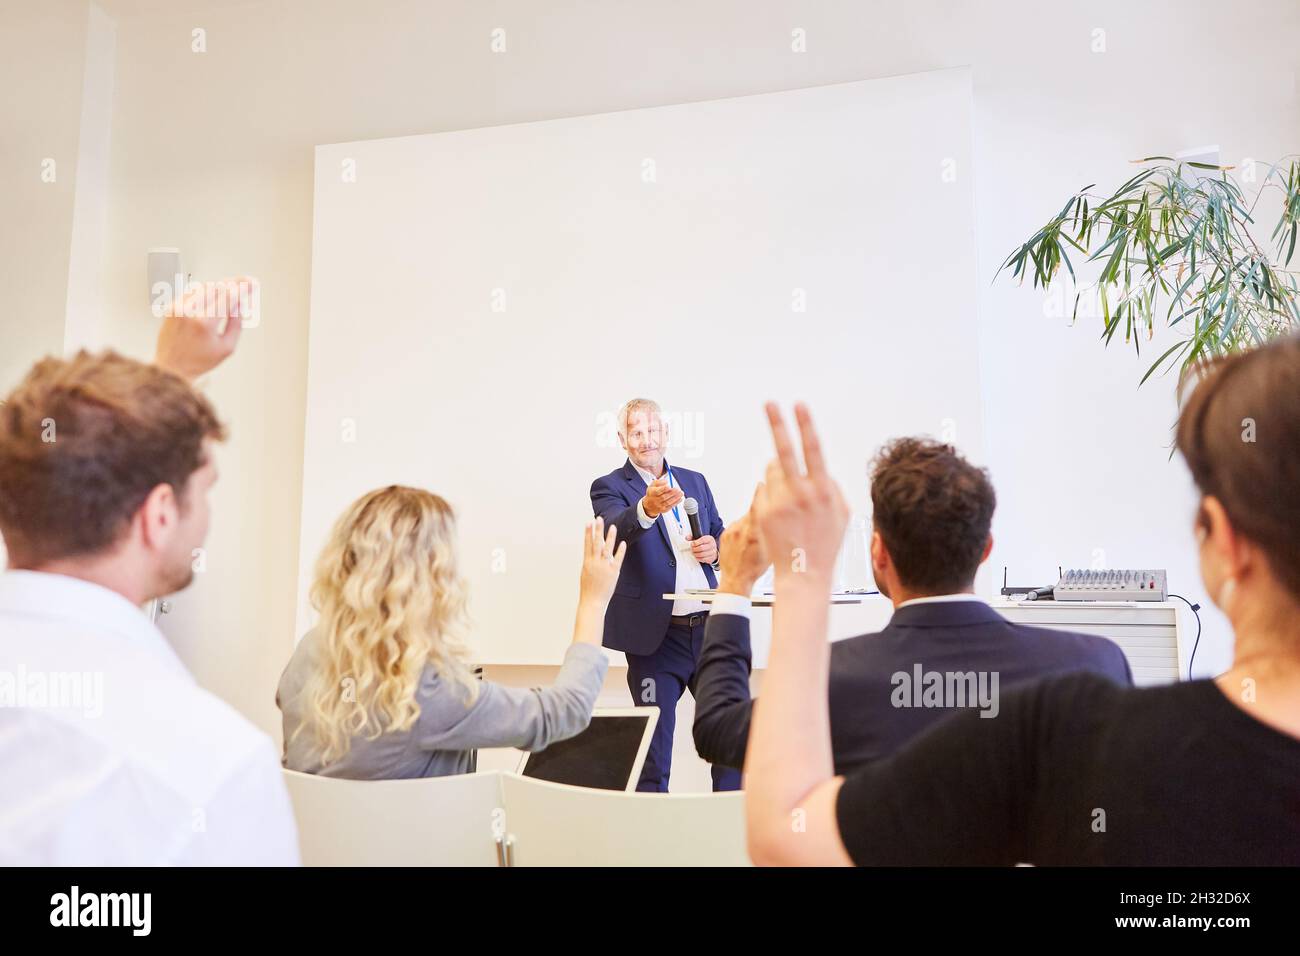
(693,515)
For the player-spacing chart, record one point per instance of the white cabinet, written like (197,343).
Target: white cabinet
(1147,633)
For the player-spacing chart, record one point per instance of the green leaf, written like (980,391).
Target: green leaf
(1166,235)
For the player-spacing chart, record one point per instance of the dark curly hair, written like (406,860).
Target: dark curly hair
(932,509)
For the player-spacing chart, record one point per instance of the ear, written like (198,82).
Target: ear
(1218,535)
(158,517)
(622,441)
(988,549)
(879,553)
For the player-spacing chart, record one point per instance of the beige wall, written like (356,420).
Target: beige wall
(212,153)
(42,56)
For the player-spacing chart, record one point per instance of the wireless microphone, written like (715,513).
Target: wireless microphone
(693,515)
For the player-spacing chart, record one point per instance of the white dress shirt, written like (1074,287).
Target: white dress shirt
(726,603)
(111,754)
(942,598)
(690,573)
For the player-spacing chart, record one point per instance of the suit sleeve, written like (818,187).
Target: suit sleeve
(716,527)
(609,504)
(1104,657)
(722,701)
(1123,674)
(529,718)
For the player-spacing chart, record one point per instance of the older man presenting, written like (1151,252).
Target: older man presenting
(646,499)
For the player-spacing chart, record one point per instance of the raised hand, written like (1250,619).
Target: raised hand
(800,514)
(601,563)
(744,559)
(660,497)
(201,331)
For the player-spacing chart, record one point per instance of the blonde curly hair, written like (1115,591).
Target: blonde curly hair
(391,601)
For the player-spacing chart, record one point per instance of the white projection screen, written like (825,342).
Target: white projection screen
(483,301)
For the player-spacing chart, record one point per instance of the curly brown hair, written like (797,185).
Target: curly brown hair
(83,441)
(933,510)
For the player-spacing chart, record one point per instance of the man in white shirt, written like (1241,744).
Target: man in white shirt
(646,500)
(111,753)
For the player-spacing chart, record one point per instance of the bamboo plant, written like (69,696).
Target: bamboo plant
(1177,242)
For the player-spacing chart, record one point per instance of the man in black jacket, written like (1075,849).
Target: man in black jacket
(943,648)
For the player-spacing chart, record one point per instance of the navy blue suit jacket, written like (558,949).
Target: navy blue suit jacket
(949,636)
(637,618)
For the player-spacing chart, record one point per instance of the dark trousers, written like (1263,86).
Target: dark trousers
(657,680)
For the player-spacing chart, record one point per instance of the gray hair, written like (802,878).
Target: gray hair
(636,405)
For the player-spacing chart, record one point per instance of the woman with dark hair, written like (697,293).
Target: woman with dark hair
(1073,770)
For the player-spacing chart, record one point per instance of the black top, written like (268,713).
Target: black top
(867,721)
(1077,771)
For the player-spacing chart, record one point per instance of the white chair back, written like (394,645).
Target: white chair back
(436,821)
(557,825)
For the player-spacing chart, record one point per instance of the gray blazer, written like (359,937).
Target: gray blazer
(440,742)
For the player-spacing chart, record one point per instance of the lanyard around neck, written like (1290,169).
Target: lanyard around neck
(676,516)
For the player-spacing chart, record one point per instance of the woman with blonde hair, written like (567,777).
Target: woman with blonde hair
(383,686)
